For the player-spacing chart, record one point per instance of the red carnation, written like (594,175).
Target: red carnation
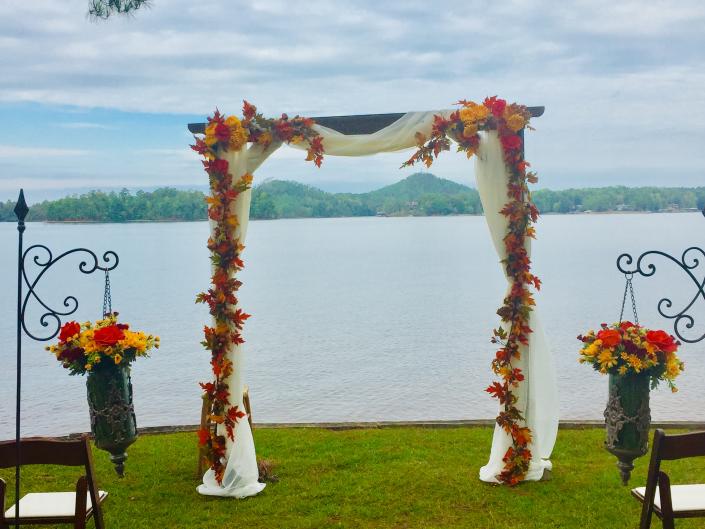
(69,329)
(108,336)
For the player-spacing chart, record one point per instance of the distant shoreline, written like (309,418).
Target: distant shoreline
(171,221)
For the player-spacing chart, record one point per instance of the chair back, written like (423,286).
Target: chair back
(667,448)
(46,451)
(679,446)
(49,451)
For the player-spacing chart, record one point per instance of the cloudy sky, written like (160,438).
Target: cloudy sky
(103,105)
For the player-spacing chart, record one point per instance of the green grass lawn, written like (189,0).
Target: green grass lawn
(377,478)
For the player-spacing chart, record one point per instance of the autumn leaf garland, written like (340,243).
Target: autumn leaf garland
(222,134)
(463,127)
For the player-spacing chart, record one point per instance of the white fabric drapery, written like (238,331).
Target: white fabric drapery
(537,394)
(538,399)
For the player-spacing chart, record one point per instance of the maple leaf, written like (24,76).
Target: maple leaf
(248,110)
(497,391)
(234,414)
(203,436)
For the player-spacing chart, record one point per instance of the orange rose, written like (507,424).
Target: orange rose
(609,337)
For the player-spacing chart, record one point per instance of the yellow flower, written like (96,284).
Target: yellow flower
(673,368)
(238,133)
(470,130)
(606,359)
(473,113)
(117,359)
(246,179)
(265,138)
(89,367)
(516,122)
(634,361)
(591,350)
(623,370)
(210,135)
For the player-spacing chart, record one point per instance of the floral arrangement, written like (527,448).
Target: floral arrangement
(222,134)
(88,346)
(626,348)
(463,126)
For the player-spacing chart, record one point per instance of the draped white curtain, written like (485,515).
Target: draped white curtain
(537,394)
(538,399)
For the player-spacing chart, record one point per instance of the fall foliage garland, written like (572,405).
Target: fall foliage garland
(229,133)
(463,127)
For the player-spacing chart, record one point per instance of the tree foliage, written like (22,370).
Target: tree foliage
(419,194)
(104,9)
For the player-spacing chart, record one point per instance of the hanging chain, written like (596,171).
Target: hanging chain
(107,300)
(628,287)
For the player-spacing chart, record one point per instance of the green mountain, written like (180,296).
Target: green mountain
(418,194)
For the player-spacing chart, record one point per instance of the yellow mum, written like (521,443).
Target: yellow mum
(516,122)
(210,135)
(606,359)
(473,113)
(238,133)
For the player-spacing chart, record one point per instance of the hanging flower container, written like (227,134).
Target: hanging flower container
(112,413)
(105,349)
(636,360)
(627,420)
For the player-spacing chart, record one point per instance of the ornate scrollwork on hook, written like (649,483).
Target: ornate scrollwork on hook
(690,261)
(43,259)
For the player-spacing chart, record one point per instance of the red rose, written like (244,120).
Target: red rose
(626,325)
(69,329)
(498,107)
(661,339)
(495,105)
(108,336)
(222,133)
(511,142)
(609,337)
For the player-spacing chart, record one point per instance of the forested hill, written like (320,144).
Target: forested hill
(418,194)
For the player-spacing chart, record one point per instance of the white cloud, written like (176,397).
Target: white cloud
(622,81)
(20,152)
(84,125)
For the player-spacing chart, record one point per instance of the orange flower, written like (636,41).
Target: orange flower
(609,337)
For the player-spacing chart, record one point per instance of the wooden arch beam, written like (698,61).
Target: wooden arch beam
(359,124)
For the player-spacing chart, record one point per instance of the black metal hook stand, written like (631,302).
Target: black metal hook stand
(41,256)
(691,259)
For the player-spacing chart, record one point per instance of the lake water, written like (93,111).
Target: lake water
(355,319)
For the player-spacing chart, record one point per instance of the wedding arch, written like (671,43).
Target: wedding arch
(493,132)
